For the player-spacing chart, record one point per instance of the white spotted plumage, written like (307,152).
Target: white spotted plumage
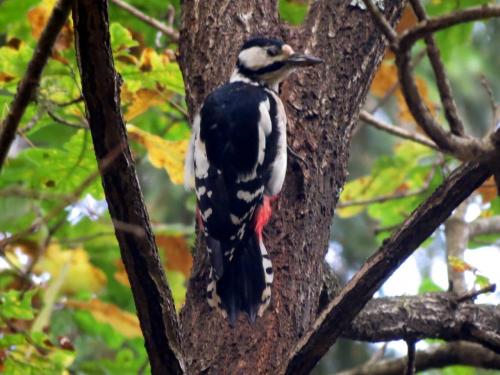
(236,160)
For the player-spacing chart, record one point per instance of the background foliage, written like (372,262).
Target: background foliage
(65,301)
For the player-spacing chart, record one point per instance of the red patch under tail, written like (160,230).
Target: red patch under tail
(263,215)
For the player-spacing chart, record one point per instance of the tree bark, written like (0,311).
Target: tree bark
(433,315)
(100,88)
(322,106)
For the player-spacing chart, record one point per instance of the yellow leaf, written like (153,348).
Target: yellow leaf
(177,254)
(459,265)
(83,276)
(162,153)
(142,100)
(150,59)
(124,322)
(404,111)
(120,274)
(353,190)
(385,79)
(38,17)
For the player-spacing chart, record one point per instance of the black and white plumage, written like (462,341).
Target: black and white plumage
(236,163)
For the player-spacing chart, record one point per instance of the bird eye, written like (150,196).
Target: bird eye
(273,51)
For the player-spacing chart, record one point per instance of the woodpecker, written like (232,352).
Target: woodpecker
(236,163)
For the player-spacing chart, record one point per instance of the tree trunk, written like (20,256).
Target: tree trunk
(322,104)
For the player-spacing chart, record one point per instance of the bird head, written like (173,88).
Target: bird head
(269,61)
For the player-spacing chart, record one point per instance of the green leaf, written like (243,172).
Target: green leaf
(482,281)
(14,339)
(15,305)
(55,363)
(428,286)
(121,38)
(459,370)
(293,11)
(13,17)
(58,171)
(13,62)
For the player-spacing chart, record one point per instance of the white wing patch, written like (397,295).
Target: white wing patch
(200,159)
(265,122)
(278,167)
(189,162)
(196,164)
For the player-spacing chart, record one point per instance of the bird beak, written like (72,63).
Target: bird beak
(299,60)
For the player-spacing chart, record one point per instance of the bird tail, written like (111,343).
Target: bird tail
(245,281)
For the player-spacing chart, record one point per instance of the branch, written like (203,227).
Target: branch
(395,130)
(31,79)
(160,26)
(100,87)
(490,225)
(463,147)
(433,315)
(424,28)
(457,238)
(444,88)
(457,353)
(419,226)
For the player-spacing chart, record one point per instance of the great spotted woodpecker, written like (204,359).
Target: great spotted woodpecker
(237,163)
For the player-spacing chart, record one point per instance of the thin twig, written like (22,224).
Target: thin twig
(18,191)
(62,121)
(410,362)
(419,31)
(41,350)
(471,296)
(33,121)
(13,266)
(462,147)
(396,130)
(70,102)
(160,26)
(383,24)
(90,237)
(64,203)
(385,198)
(443,84)
(382,198)
(31,79)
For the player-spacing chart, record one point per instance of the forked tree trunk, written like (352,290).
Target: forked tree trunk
(322,104)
